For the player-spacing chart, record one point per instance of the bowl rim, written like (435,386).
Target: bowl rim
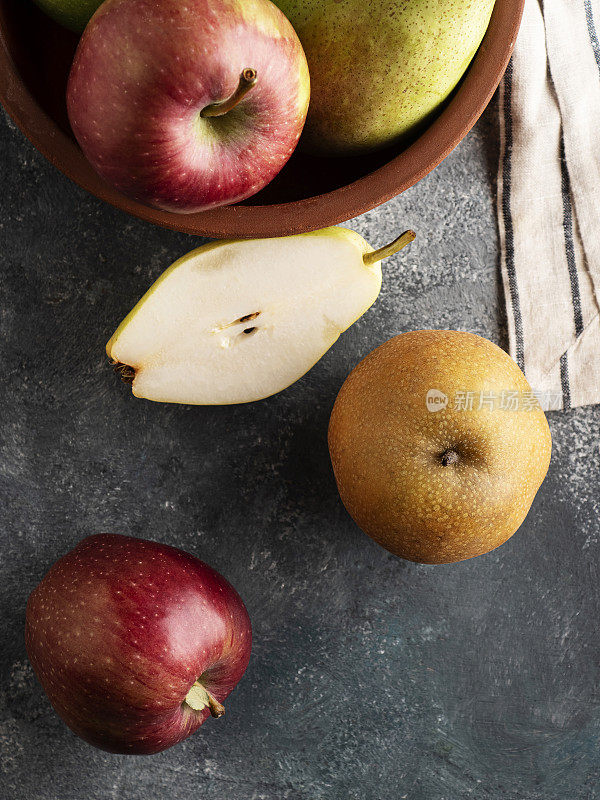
(318,211)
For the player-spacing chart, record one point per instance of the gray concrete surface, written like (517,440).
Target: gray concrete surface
(371,678)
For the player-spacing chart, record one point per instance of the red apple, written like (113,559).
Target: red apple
(135,642)
(188,105)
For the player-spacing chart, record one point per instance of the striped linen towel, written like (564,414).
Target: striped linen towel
(549,200)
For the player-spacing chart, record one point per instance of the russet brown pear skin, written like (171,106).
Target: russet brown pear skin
(437,486)
(120,630)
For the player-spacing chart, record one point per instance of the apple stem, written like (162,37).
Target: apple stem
(389,249)
(198,698)
(248,79)
(216,709)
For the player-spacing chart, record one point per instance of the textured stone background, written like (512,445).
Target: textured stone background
(371,678)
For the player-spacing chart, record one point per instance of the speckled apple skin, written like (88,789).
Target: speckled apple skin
(144,70)
(120,629)
(386,447)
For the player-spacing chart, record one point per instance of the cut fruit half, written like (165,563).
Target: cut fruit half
(237,321)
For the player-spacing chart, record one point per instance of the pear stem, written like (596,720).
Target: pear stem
(200,698)
(248,79)
(389,249)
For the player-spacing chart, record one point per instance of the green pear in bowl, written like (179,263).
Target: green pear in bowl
(73,14)
(380,68)
(237,321)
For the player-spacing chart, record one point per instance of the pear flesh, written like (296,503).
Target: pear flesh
(238,321)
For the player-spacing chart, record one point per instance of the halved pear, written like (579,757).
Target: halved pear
(237,321)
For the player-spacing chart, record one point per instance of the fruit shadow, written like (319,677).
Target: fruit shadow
(489,124)
(272,458)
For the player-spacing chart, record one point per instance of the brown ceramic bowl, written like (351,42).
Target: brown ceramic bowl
(309,193)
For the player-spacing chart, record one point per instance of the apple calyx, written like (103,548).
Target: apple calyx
(198,698)
(449,457)
(389,249)
(248,79)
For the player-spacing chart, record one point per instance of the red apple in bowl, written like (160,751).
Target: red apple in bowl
(186,106)
(135,643)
